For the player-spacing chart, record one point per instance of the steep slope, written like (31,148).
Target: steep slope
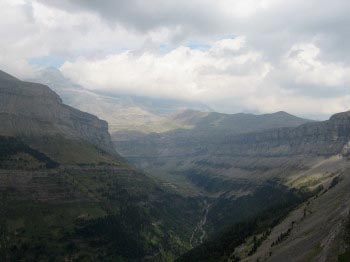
(66,195)
(33,110)
(123,112)
(314,230)
(317,230)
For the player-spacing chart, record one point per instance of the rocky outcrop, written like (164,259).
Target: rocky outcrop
(321,138)
(31,109)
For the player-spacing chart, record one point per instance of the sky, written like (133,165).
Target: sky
(257,56)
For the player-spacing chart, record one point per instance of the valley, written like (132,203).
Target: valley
(66,194)
(199,228)
(174,131)
(234,168)
(216,187)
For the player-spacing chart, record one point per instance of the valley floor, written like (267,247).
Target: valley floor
(200,230)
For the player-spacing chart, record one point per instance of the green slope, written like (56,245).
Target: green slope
(96,210)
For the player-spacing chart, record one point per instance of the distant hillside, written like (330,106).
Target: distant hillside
(236,123)
(122,112)
(200,129)
(168,153)
(259,185)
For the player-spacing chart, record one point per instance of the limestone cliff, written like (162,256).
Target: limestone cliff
(321,138)
(31,109)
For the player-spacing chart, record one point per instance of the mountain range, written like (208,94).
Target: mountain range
(213,187)
(201,145)
(234,161)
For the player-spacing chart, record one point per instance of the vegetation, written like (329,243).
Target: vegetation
(221,246)
(13,152)
(92,212)
(72,152)
(271,194)
(334,182)
(257,241)
(344,257)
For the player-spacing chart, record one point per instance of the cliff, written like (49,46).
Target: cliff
(321,138)
(31,109)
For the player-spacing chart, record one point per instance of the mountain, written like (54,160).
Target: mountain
(217,187)
(122,112)
(170,155)
(313,156)
(268,190)
(236,123)
(66,195)
(33,110)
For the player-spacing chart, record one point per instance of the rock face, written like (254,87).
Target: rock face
(31,109)
(315,138)
(322,138)
(206,133)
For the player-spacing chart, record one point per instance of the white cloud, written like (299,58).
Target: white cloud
(252,55)
(229,76)
(306,68)
(183,72)
(230,44)
(29,29)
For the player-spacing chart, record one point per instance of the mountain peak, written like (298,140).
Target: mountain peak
(52,73)
(54,78)
(281,113)
(190,116)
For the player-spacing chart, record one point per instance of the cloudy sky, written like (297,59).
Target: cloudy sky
(234,55)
